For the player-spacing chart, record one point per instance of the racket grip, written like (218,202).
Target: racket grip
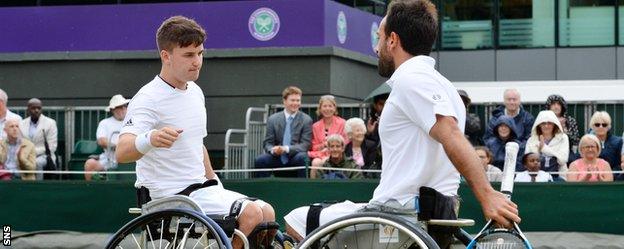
(509,170)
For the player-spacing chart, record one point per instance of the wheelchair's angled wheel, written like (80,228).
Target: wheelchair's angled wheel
(369,230)
(171,228)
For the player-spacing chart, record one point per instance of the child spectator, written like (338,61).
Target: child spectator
(531,162)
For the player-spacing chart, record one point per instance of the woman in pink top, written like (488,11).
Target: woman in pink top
(329,123)
(584,168)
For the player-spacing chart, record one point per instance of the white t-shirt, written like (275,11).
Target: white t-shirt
(412,158)
(105,129)
(542,176)
(9,115)
(164,171)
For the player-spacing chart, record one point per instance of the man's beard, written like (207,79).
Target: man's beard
(385,66)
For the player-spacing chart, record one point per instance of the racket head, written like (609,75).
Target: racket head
(492,237)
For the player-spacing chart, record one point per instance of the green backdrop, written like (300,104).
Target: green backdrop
(103,206)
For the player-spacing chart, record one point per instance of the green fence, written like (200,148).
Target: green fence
(103,206)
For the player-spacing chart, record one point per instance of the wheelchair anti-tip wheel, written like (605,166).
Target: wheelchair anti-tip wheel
(171,228)
(369,230)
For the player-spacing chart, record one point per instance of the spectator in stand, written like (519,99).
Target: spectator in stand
(40,129)
(584,169)
(504,131)
(473,130)
(5,113)
(610,145)
(288,136)
(362,151)
(107,135)
(531,162)
(493,173)
(329,123)
(558,105)
(372,124)
(513,108)
(16,153)
(550,143)
(337,159)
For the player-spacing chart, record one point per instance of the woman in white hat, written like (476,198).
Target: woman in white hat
(107,135)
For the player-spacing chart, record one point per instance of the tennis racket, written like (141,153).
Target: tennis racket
(492,237)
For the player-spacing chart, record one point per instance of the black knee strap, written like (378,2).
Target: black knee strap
(314,214)
(237,206)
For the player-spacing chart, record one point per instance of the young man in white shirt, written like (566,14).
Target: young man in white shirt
(165,125)
(421,127)
(107,135)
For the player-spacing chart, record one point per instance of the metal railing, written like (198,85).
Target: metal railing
(243,146)
(73,122)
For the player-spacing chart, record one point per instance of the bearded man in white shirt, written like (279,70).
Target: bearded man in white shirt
(420,128)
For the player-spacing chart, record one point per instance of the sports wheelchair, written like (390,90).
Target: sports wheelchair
(178,222)
(376,230)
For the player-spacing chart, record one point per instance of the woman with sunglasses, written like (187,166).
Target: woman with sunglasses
(611,145)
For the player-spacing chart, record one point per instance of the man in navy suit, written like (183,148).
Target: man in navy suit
(288,136)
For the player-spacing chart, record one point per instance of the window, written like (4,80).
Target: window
(586,22)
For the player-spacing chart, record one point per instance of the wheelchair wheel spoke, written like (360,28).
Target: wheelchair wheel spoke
(357,244)
(149,233)
(175,237)
(162,226)
(135,241)
(200,238)
(185,236)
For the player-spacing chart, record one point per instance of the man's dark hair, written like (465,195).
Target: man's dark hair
(179,31)
(380,97)
(416,24)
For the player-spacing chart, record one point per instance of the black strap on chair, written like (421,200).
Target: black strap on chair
(143,196)
(314,214)
(191,188)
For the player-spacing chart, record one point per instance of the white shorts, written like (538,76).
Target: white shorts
(297,218)
(218,200)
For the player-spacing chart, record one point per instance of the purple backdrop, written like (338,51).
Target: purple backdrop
(133,26)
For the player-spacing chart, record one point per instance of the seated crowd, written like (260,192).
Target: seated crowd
(30,144)
(26,144)
(293,139)
(551,140)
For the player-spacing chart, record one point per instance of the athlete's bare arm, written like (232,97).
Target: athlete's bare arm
(209,172)
(494,204)
(127,152)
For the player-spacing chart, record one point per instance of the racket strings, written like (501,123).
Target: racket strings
(500,241)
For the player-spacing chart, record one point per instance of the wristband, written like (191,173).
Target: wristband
(142,142)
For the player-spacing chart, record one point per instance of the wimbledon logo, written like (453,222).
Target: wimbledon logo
(264,24)
(374,36)
(341,27)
